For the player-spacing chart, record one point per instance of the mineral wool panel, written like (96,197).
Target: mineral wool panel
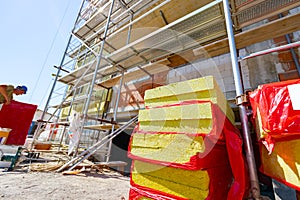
(205,88)
(177,150)
(283,163)
(192,118)
(189,184)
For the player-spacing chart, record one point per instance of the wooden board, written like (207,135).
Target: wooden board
(101,127)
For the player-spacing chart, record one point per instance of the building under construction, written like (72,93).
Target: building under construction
(119,49)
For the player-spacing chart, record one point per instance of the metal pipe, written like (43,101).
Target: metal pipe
(129,9)
(95,146)
(167,27)
(95,72)
(101,29)
(272,50)
(129,31)
(115,115)
(242,110)
(111,136)
(73,89)
(83,43)
(119,94)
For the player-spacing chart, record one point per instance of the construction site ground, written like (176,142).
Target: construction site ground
(37,179)
(106,185)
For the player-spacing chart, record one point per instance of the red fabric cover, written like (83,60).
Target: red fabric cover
(136,193)
(223,132)
(219,186)
(275,106)
(17,116)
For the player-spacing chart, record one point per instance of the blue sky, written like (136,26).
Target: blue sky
(33,37)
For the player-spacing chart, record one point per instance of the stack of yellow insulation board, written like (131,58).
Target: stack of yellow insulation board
(182,150)
(191,117)
(178,148)
(277,121)
(283,163)
(181,184)
(205,88)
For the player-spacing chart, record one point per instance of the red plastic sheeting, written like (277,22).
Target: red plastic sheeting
(223,131)
(137,193)
(276,110)
(278,117)
(17,116)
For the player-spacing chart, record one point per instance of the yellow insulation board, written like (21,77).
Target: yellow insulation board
(259,130)
(192,118)
(179,182)
(284,161)
(205,88)
(175,148)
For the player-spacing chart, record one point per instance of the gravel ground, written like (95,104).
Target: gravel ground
(106,185)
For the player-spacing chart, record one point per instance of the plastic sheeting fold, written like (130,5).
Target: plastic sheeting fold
(274,104)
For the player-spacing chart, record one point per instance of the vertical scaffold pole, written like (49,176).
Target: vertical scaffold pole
(242,109)
(99,58)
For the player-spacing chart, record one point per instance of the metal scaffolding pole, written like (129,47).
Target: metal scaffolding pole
(272,50)
(86,108)
(91,150)
(115,116)
(242,109)
(131,23)
(118,99)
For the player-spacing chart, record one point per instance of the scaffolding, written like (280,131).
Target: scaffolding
(114,42)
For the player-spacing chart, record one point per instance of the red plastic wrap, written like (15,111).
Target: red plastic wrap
(137,193)
(223,132)
(275,106)
(17,116)
(240,186)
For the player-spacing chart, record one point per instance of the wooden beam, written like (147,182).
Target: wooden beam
(101,127)
(262,33)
